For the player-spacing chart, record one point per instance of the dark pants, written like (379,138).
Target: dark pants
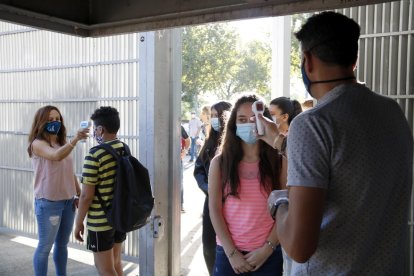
(209,239)
(272,267)
(181,184)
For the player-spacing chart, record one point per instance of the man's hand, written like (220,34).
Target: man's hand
(270,130)
(79,230)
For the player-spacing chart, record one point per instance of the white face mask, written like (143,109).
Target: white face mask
(215,124)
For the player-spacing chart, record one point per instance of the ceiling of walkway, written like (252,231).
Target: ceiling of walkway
(106,17)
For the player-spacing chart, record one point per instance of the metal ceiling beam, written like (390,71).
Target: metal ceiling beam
(107,17)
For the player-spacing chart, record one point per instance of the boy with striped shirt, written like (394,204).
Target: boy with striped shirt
(98,172)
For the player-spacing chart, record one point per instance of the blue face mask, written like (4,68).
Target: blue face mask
(306,81)
(215,124)
(53,127)
(99,139)
(246,132)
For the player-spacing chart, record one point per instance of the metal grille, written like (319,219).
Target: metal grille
(386,61)
(75,74)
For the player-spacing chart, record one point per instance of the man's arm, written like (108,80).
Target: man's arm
(299,223)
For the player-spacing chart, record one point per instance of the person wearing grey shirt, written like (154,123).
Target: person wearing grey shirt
(350,165)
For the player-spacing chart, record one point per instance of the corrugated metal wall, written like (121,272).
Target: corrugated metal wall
(386,60)
(75,74)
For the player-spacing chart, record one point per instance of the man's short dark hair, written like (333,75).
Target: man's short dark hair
(331,37)
(108,117)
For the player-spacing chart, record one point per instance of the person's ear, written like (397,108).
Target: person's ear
(308,60)
(102,130)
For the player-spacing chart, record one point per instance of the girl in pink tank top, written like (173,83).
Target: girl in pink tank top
(240,181)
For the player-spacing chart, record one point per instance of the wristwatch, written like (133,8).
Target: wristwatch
(279,201)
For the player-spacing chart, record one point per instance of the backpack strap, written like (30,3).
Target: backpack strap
(115,155)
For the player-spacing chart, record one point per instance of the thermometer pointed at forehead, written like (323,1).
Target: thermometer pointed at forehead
(258,106)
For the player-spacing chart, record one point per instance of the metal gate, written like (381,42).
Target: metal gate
(75,74)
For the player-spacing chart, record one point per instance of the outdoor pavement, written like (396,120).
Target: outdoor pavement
(16,251)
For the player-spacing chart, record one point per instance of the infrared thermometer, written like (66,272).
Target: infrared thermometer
(258,108)
(84,124)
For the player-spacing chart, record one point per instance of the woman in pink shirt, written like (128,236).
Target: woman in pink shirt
(55,187)
(240,180)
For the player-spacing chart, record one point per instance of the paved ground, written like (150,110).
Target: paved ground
(17,251)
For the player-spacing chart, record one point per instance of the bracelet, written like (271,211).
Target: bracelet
(76,197)
(232,253)
(269,243)
(278,142)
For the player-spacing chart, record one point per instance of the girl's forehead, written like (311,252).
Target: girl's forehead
(245,108)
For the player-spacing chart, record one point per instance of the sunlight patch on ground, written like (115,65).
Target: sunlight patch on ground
(73,254)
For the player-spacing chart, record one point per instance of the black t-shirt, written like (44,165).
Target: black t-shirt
(184,134)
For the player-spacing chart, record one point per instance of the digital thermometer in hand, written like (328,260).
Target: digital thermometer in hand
(84,124)
(258,108)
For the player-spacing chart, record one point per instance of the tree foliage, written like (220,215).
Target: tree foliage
(208,56)
(215,62)
(295,54)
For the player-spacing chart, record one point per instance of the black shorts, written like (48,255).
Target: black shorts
(103,240)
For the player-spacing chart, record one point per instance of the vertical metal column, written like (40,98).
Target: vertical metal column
(281,56)
(160,96)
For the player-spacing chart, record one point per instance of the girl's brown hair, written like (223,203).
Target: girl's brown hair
(38,128)
(232,153)
(214,137)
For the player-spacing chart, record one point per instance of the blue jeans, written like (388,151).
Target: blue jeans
(54,223)
(273,266)
(193,148)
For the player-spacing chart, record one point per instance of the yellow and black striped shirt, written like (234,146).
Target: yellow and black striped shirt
(99,170)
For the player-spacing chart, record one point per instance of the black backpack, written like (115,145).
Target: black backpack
(132,202)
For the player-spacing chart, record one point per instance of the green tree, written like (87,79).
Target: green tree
(250,73)
(295,54)
(208,56)
(215,62)
(255,71)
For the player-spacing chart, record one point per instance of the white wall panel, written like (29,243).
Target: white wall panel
(75,74)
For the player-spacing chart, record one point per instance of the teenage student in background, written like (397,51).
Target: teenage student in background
(201,169)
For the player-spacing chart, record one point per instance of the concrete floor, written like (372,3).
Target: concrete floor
(16,251)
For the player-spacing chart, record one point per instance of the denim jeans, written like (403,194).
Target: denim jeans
(193,148)
(273,266)
(54,223)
